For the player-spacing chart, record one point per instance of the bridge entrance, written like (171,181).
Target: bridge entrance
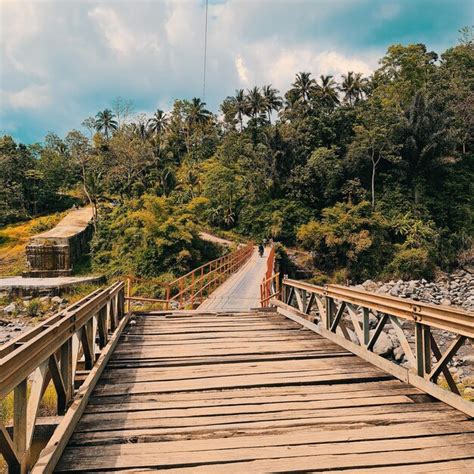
(295,386)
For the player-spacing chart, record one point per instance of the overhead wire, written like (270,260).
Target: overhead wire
(205,56)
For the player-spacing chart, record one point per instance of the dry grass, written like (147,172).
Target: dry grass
(14,238)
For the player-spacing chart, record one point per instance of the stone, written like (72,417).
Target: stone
(384,345)
(446,302)
(468,359)
(57,300)
(469,392)
(398,354)
(10,309)
(45,299)
(468,381)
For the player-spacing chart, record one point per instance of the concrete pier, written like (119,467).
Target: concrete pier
(54,252)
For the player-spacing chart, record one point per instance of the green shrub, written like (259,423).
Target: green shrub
(46,223)
(34,308)
(350,237)
(411,263)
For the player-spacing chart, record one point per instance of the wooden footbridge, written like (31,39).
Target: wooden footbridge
(292,386)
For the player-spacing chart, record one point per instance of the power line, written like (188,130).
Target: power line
(205,57)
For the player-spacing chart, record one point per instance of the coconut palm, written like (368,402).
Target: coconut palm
(328,91)
(255,103)
(304,85)
(353,86)
(105,122)
(197,113)
(158,123)
(272,101)
(240,104)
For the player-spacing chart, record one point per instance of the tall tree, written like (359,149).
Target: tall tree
(272,101)
(304,86)
(158,124)
(105,122)
(240,104)
(255,102)
(328,91)
(197,113)
(353,86)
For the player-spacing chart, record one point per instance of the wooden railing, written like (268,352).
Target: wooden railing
(69,351)
(344,315)
(191,289)
(270,286)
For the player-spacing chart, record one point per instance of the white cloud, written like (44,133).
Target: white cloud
(88,52)
(242,71)
(117,35)
(31,97)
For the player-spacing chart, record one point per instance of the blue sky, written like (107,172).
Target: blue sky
(62,61)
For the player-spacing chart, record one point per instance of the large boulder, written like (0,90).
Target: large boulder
(384,345)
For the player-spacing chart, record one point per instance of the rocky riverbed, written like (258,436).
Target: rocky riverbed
(21,314)
(450,290)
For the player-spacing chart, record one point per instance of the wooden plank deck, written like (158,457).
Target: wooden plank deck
(255,392)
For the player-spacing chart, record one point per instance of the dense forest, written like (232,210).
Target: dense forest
(371,175)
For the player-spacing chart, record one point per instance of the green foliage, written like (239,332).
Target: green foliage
(277,220)
(411,263)
(34,308)
(348,237)
(148,236)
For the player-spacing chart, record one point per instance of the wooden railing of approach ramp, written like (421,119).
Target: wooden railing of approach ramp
(69,350)
(192,288)
(342,314)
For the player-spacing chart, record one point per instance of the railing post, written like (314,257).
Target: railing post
(329,312)
(422,349)
(192,290)
(366,325)
(67,370)
(20,398)
(128,294)
(167,305)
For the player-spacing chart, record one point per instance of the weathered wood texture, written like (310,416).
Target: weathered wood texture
(257,393)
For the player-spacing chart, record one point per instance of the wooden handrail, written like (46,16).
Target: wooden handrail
(343,315)
(51,352)
(270,282)
(194,285)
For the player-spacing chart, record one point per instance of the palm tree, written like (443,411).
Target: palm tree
(141,129)
(105,121)
(158,123)
(304,86)
(272,101)
(198,114)
(255,102)
(353,86)
(240,105)
(328,91)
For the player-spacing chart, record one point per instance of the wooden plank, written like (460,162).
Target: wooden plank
(311,435)
(320,463)
(328,400)
(134,455)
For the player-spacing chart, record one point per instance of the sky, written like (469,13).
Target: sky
(63,61)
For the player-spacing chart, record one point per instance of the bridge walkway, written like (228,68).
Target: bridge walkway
(256,392)
(242,290)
